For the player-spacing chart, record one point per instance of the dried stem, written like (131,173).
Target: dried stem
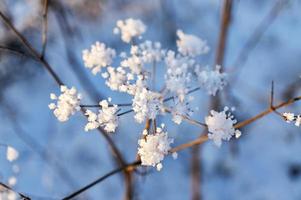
(127,167)
(45,28)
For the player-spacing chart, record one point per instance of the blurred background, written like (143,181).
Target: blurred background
(263,45)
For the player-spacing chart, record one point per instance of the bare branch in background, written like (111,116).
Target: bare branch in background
(45,28)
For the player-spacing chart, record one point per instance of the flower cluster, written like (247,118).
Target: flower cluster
(135,74)
(67,103)
(147,104)
(99,56)
(106,118)
(211,80)
(291,117)
(221,126)
(191,45)
(129,28)
(153,148)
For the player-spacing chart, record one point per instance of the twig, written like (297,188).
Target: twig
(256,36)
(224,26)
(110,105)
(45,28)
(127,167)
(186,118)
(16,51)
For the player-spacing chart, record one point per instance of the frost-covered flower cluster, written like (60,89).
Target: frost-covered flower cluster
(211,80)
(221,126)
(106,118)
(99,56)
(191,45)
(157,79)
(147,104)
(129,28)
(68,102)
(291,117)
(153,148)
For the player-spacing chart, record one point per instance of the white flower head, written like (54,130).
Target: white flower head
(106,118)
(11,154)
(221,126)
(67,103)
(191,45)
(178,76)
(99,56)
(153,148)
(129,28)
(289,117)
(211,80)
(146,104)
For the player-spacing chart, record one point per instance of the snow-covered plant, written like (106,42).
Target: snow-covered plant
(211,80)
(106,118)
(291,117)
(99,56)
(221,126)
(135,75)
(191,45)
(129,28)
(68,102)
(154,147)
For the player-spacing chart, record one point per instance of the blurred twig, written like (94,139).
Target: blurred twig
(255,37)
(45,28)
(22,196)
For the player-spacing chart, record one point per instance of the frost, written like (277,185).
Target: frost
(221,126)
(153,148)
(191,45)
(129,28)
(211,80)
(99,56)
(106,118)
(67,103)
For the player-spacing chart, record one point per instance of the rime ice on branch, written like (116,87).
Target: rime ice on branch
(106,118)
(221,126)
(291,117)
(153,148)
(67,103)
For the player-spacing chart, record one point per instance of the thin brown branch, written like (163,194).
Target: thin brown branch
(272,95)
(195,172)
(128,167)
(223,33)
(186,118)
(45,28)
